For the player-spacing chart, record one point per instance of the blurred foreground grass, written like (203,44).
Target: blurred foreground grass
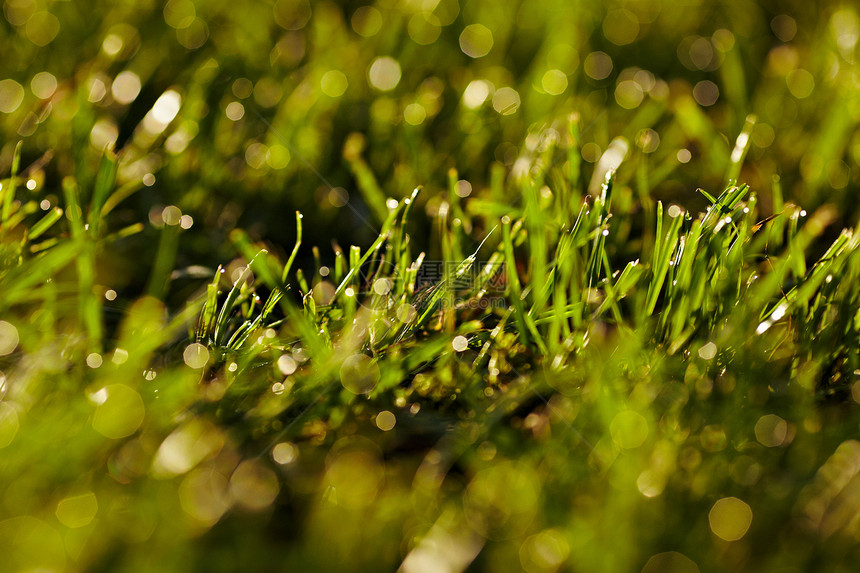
(546,359)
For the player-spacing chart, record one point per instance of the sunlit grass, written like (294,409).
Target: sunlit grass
(561,386)
(429,287)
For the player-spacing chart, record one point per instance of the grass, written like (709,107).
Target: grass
(271,312)
(689,391)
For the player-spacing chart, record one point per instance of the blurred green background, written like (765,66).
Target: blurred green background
(241,115)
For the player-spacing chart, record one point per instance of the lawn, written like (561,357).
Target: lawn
(430,286)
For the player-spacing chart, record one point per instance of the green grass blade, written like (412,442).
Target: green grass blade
(104,183)
(45,223)
(9,191)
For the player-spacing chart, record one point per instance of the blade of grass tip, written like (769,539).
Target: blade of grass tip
(602,231)
(683,274)
(778,203)
(628,279)
(609,162)
(338,263)
(739,153)
(271,304)
(409,202)
(658,235)
(128,231)
(625,282)
(349,300)
(412,275)
(45,223)
(105,179)
(474,255)
(723,206)
(354,260)
(729,206)
(736,195)
(245,330)
(310,306)
(660,264)
(9,195)
(315,252)
(300,279)
(726,190)
(206,322)
(45,245)
(292,258)
(796,254)
(708,196)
